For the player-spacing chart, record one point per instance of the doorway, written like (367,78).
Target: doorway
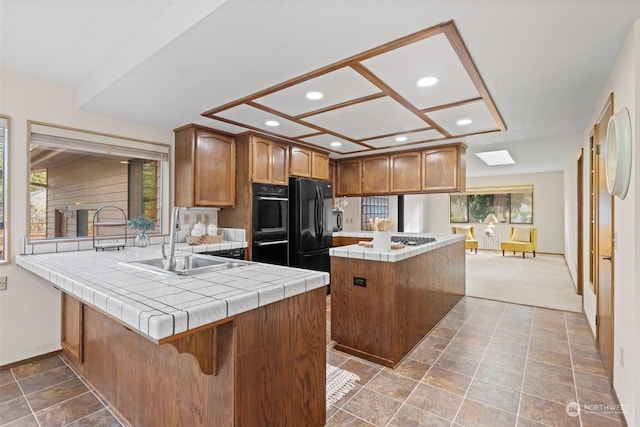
(604,248)
(580,247)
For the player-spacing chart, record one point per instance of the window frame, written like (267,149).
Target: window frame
(376,209)
(464,198)
(119,143)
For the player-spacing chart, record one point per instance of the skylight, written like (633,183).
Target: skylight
(496,158)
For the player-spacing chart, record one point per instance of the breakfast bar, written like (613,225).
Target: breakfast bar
(237,346)
(383,303)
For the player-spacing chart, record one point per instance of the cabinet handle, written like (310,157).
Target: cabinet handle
(276,242)
(606,257)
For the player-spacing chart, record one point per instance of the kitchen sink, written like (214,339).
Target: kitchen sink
(189,265)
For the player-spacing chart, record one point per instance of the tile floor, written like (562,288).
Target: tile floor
(48,393)
(487,363)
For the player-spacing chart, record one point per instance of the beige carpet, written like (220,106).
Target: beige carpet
(543,281)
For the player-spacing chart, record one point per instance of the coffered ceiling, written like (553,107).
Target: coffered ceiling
(374,99)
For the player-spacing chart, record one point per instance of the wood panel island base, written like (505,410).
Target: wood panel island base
(384,303)
(266,368)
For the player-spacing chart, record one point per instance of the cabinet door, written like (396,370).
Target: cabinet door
(279,164)
(300,162)
(441,170)
(215,171)
(319,165)
(375,175)
(72,327)
(405,170)
(349,179)
(261,160)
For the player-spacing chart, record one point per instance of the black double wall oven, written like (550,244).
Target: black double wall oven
(270,208)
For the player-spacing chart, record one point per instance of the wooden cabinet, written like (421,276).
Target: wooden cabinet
(435,170)
(205,165)
(269,161)
(72,339)
(405,171)
(279,163)
(349,178)
(444,169)
(344,240)
(306,163)
(319,165)
(375,175)
(300,163)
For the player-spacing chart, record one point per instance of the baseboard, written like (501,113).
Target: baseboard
(29,360)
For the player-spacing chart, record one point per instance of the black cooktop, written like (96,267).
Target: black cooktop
(412,240)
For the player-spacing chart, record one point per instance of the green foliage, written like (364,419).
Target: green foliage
(142,224)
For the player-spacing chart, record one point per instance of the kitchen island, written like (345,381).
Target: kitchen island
(383,303)
(238,347)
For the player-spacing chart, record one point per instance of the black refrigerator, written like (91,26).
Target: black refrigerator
(310,229)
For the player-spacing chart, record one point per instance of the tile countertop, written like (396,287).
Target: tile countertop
(159,305)
(394,255)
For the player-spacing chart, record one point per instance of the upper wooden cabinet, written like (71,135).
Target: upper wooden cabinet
(434,170)
(319,165)
(405,171)
(306,163)
(205,165)
(269,161)
(300,162)
(444,169)
(349,178)
(375,175)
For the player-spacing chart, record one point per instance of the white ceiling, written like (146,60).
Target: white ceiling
(544,63)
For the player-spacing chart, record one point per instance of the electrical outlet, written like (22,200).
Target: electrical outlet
(621,356)
(198,217)
(3,283)
(206,218)
(186,218)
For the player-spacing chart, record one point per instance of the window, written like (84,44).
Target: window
(512,205)
(74,172)
(373,207)
(4,132)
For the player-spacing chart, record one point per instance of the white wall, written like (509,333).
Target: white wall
(30,308)
(624,83)
(431,212)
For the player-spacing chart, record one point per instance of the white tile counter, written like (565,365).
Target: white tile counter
(159,305)
(394,255)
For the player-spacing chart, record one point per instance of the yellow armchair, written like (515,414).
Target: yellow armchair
(521,239)
(470,241)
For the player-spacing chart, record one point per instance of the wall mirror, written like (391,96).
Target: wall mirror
(617,153)
(74,172)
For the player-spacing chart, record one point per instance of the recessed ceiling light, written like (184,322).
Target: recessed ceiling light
(315,95)
(272,123)
(427,81)
(336,144)
(124,162)
(464,122)
(401,138)
(495,158)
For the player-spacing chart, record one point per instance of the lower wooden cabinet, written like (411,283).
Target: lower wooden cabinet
(72,327)
(345,241)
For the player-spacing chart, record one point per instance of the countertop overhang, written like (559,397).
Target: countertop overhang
(160,305)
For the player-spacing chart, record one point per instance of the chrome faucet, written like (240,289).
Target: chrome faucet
(169,261)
